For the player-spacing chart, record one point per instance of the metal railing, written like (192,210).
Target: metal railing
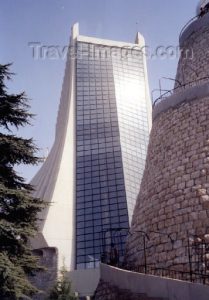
(179,89)
(170,273)
(194,268)
(187,25)
(201,14)
(113,245)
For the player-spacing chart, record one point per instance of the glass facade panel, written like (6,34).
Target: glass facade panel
(112,134)
(130,91)
(101,204)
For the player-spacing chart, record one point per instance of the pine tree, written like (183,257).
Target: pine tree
(62,289)
(18,209)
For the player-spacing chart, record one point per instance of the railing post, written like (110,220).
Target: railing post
(189,255)
(145,256)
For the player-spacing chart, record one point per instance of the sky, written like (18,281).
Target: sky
(48,23)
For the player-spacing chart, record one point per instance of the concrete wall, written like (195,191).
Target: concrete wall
(85,281)
(56,179)
(44,280)
(152,286)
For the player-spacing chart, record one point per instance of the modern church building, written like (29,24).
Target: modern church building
(93,172)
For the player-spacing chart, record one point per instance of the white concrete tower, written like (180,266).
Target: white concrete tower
(94,169)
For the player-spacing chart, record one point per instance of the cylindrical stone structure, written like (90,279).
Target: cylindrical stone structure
(173,202)
(194,48)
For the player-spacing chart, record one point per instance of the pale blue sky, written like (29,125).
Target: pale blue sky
(49,22)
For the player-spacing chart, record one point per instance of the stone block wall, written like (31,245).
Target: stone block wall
(193,63)
(174,194)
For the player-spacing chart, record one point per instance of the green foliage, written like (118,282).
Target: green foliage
(62,289)
(18,209)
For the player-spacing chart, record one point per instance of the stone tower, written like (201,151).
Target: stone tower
(173,202)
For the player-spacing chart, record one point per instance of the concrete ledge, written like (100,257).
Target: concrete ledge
(194,27)
(154,286)
(189,94)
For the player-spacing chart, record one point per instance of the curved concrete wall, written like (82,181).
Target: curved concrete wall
(148,287)
(55,181)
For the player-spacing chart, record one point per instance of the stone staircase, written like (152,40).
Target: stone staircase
(105,291)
